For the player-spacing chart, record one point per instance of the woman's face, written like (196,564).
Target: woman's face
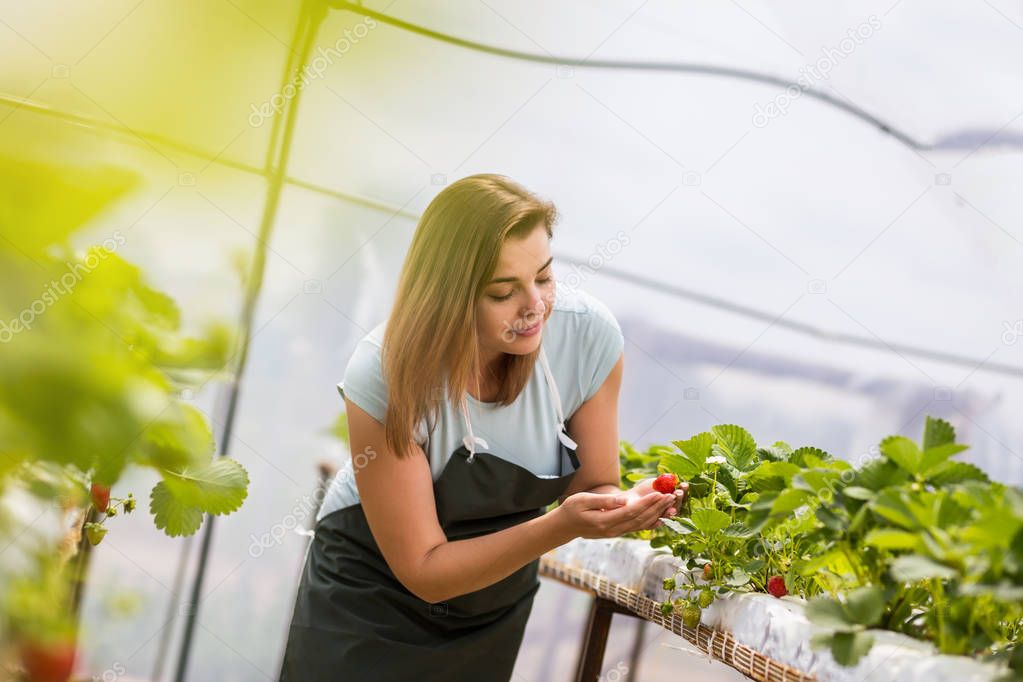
(519,299)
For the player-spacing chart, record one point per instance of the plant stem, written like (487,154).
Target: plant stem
(939,604)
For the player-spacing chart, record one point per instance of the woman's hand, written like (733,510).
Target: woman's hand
(595,515)
(646,486)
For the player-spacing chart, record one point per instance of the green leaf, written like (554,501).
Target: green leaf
(937,432)
(890,538)
(933,458)
(738,578)
(680,464)
(892,506)
(825,612)
(833,520)
(816,481)
(848,648)
(949,473)
(676,526)
(913,567)
(735,444)
(832,559)
(339,429)
(858,493)
(865,605)
(810,457)
(218,487)
(170,515)
(709,521)
(778,452)
(697,448)
(43,203)
(903,452)
(773,475)
(879,473)
(181,437)
(789,501)
(738,531)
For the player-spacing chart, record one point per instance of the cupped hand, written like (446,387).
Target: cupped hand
(646,486)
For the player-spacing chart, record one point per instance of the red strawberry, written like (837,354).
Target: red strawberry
(776,586)
(47,662)
(708,571)
(666,483)
(101,496)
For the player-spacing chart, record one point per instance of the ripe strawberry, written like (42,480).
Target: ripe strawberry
(100,496)
(666,483)
(47,662)
(708,571)
(776,586)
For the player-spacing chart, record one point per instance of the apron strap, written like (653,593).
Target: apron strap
(556,399)
(471,440)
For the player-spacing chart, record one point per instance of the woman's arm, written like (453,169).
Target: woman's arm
(594,428)
(397,498)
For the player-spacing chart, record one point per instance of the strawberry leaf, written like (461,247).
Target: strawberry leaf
(937,432)
(170,515)
(217,487)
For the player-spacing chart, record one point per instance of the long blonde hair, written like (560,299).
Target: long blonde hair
(431,333)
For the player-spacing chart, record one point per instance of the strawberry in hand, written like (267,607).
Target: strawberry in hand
(650,485)
(666,483)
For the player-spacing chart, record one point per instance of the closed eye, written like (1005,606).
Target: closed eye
(541,280)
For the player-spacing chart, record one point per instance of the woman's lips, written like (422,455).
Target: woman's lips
(529,331)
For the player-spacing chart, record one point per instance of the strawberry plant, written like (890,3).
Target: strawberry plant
(911,541)
(93,368)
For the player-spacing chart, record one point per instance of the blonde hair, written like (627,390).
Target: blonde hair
(431,332)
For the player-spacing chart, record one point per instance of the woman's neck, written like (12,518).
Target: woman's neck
(492,376)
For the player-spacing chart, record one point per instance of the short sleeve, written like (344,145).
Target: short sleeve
(603,345)
(363,381)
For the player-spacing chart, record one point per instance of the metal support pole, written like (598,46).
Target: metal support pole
(313,13)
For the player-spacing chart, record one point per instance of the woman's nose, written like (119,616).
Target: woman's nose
(537,304)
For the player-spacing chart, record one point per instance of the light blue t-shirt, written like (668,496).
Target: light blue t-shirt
(582,341)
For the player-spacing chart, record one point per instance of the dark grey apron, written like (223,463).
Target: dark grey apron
(354,620)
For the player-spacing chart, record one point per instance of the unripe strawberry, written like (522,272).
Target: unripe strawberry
(706,598)
(669,584)
(100,496)
(95,532)
(666,483)
(776,586)
(666,608)
(691,616)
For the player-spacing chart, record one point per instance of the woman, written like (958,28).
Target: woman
(424,561)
